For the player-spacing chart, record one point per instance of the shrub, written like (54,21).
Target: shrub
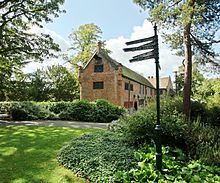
(197,140)
(200,110)
(107,112)
(79,111)
(29,111)
(100,111)
(140,127)
(203,142)
(5,107)
(213,117)
(58,107)
(97,156)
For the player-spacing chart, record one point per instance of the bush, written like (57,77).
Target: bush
(214,116)
(97,156)
(140,127)
(58,107)
(203,142)
(100,111)
(198,141)
(199,110)
(79,111)
(5,107)
(30,111)
(107,112)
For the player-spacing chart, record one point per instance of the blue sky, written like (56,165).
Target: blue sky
(114,17)
(120,21)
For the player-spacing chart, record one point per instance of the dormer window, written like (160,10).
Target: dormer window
(98,68)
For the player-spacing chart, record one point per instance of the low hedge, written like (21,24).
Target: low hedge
(99,111)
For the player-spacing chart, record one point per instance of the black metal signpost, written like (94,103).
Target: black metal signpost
(154,53)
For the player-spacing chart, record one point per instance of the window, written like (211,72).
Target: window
(151,91)
(127,86)
(98,85)
(98,68)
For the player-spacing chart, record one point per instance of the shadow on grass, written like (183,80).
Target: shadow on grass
(28,154)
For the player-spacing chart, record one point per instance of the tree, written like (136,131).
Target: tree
(84,41)
(17,44)
(55,83)
(209,91)
(197,80)
(63,84)
(38,87)
(188,24)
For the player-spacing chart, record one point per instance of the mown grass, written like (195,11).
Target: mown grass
(28,154)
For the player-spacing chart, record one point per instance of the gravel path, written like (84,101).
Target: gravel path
(71,124)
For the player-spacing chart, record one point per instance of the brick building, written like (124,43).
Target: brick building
(166,86)
(104,78)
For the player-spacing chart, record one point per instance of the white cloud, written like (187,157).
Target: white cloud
(168,62)
(64,45)
(33,66)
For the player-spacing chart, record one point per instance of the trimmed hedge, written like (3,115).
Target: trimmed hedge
(99,111)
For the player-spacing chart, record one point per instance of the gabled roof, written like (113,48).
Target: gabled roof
(164,82)
(126,72)
(135,76)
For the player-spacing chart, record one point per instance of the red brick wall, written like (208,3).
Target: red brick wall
(135,95)
(114,85)
(109,77)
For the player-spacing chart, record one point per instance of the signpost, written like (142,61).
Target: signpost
(154,53)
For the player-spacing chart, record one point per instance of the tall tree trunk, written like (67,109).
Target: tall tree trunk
(188,72)
(188,64)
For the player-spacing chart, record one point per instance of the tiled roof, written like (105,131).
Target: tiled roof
(126,72)
(135,76)
(163,82)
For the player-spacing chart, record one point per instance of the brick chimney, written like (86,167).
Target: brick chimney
(99,46)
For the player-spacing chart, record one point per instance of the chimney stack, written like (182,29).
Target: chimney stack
(99,46)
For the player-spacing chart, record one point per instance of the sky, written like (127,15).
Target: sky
(120,21)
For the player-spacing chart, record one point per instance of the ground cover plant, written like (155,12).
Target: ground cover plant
(28,154)
(192,155)
(97,156)
(99,111)
(175,169)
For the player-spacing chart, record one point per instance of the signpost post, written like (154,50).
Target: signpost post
(154,53)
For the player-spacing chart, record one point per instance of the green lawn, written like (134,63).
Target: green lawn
(28,154)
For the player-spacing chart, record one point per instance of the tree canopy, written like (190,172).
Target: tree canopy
(56,83)
(84,41)
(17,43)
(190,27)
